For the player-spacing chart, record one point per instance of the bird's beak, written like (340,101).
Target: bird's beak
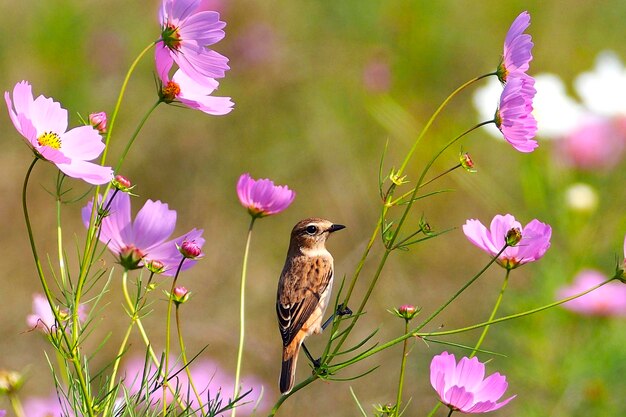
(336,227)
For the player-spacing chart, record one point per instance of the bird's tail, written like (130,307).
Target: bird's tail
(288,369)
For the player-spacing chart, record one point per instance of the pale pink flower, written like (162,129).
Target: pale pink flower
(42,317)
(186,31)
(51,406)
(188,91)
(146,238)
(263,198)
(608,300)
(464,388)
(208,377)
(514,115)
(43,123)
(517,49)
(535,239)
(3,413)
(596,144)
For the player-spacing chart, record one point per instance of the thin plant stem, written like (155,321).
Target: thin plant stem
(60,231)
(492,315)
(450,413)
(16,404)
(242,310)
(434,116)
(133,316)
(168,326)
(183,351)
(72,352)
(402,369)
(134,136)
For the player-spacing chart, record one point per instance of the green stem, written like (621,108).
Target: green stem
(416,333)
(118,104)
(450,413)
(402,369)
(186,362)
(168,326)
(60,234)
(133,317)
(242,309)
(16,404)
(72,348)
(434,116)
(493,314)
(134,136)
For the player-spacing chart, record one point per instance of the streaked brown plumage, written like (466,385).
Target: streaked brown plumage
(303,290)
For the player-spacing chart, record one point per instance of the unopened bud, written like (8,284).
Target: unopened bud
(466,162)
(180,295)
(10,381)
(122,183)
(155,266)
(513,236)
(190,249)
(407,311)
(99,121)
(130,257)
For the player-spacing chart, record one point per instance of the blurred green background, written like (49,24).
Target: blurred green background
(319,88)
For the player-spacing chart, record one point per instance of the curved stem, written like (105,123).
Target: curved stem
(60,234)
(434,116)
(73,351)
(16,404)
(242,310)
(183,351)
(134,136)
(493,314)
(119,100)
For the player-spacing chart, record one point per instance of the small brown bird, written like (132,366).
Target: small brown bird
(303,290)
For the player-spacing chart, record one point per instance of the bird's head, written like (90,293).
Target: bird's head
(311,234)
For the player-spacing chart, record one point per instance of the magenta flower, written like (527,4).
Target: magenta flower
(208,377)
(535,239)
(514,115)
(99,121)
(463,387)
(263,198)
(43,123)
(42,317)
(3,413)
(608,300)
(145,239)
(517,49)
(188,91)
(186,31)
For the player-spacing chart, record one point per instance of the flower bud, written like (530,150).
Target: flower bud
(466,162)
(513,236)
(180,295)
(155,266)
(98,121)
(407,311)
(190,249)
(130,257)
(122,183)
(10,381)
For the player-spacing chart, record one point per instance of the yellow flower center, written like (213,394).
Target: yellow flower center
(170,91)
(50,139)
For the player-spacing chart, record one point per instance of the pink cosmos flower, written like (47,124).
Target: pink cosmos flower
(514,115)
(534,242)
(99,121)
(146,238)
(43,123)
(3,413)
(51,406)
(596,144)
(517,49)
(189,91)
(208,377)
(263,198)
(42,317)
(608,300)
(186,31)
(463,387)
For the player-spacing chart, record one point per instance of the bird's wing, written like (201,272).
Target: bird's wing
(301,285)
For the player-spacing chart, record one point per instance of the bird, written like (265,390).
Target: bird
(304,290)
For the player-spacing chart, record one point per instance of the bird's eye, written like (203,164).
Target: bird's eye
(311,229)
